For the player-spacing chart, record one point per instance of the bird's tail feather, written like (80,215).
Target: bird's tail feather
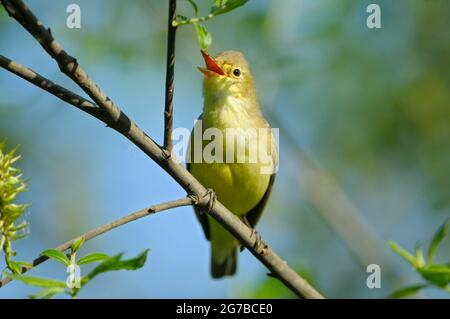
(227,267)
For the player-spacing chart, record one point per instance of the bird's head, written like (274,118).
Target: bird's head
(227,74)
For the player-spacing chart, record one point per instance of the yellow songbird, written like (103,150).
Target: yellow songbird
(242,183)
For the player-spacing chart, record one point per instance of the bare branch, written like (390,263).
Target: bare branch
(185,201)
(120,122)
(53,88)
(170,74)
(193,20)
(67,64)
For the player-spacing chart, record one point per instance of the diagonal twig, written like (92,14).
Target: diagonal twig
(120,122)
(53,88)
(170,74)
(185,201)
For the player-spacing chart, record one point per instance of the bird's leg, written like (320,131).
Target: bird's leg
(212,197)
(258,240)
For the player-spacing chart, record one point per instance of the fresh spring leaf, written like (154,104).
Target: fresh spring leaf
(38,282)
(403,253)
(420,261)
(91,258)
(116,263)
(204,37)
(436,274)
(77,243)
(47,293)
(56,255)
(16,266)
(437,238)
(407,291)
(194,5)
(224,6)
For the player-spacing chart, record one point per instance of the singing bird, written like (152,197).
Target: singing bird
(230,101)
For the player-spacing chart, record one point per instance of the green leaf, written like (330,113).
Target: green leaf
(47,293)
(407,291)
(420,261)
(24,264)
(38,282)
(93,257)
(437,238)
(56,255)
(116,263)
(436,274)
(194,5)
(77,243)
(15,267)
(224,6)
(403,253)
(204,37)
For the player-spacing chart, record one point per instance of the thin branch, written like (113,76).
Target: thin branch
(185,201)
(121,123)
(67,64)
(170,74)
(53,88)
(195,20)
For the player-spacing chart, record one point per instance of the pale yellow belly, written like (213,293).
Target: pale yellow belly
(239,186)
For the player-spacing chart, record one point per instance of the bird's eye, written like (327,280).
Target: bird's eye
(237,72)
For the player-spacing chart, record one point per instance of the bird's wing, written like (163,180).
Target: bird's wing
(202,218)
(255,213)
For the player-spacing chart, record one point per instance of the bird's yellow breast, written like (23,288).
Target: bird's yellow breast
(239,186)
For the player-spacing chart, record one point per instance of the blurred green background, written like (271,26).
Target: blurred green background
(364,118)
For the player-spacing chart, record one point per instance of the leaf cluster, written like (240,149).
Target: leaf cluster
(437,275)
(73,284)
(11,185)
(218,7)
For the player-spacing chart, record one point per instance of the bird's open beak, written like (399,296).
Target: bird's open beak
(212,68)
